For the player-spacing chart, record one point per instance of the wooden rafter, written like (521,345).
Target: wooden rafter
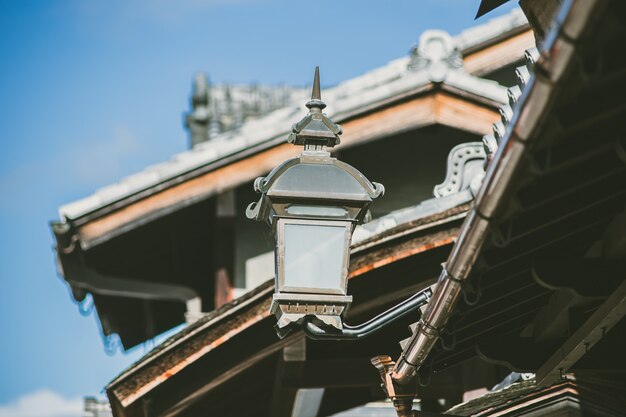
(587,335)
(499,55)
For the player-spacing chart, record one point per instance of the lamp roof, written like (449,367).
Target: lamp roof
(315,128)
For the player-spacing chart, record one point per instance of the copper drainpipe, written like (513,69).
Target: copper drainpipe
(557,54)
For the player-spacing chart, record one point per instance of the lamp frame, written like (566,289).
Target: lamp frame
(280,255)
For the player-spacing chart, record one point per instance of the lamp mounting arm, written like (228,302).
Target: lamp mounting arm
(371,326)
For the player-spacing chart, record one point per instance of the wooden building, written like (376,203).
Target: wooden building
(544,268)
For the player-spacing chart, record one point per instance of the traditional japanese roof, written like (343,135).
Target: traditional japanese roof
(420,234)
(541,253)
(483,50)
(154,223)
(545,219)
(574,395)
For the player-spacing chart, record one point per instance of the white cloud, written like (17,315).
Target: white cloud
(42,403)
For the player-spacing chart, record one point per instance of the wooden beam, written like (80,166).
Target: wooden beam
(289,366)
(587,335)
(182,195)
(394,253)
(335,373)
(425,110)
(307,402)
(521,354)
(499,55)
(459,113)
(156,369)
(241,366)
(573,275)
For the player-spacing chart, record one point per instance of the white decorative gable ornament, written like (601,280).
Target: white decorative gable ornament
(437,53)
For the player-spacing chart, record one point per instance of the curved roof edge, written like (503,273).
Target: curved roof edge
(346,99)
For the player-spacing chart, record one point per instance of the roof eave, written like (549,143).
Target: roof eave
(464,87)
(257,302)
(119,195)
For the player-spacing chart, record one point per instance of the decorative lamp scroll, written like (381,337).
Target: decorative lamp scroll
(465,164)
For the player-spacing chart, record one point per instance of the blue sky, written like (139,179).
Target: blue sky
(91,91)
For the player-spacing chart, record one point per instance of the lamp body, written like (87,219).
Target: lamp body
(312,204)
(312,256)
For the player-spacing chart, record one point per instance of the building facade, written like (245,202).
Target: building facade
(482,142)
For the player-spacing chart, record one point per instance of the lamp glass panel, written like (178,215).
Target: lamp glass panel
(314,256)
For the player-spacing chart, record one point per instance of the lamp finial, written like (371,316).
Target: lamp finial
(316,93)
(315,130)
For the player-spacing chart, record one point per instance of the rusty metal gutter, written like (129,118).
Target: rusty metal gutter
(555,58)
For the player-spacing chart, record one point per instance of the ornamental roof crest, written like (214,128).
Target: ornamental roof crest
(437,53)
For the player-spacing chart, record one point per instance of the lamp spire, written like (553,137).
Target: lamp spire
(315,129)
(316,94)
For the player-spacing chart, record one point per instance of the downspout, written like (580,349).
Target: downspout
(87,279)
(72,268)
(445,297)
(557,54)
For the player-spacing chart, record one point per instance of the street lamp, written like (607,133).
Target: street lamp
(312,203)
